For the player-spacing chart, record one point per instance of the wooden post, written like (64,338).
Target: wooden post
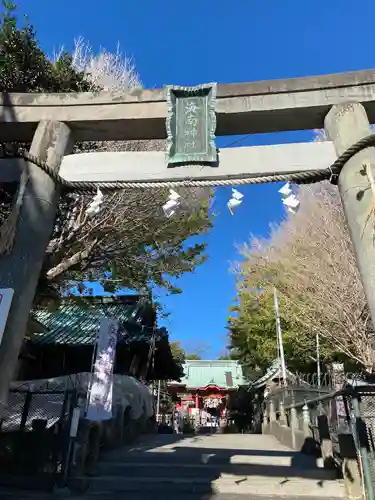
(346,124)
(21,269)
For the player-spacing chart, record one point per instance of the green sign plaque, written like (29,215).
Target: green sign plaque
(191,124)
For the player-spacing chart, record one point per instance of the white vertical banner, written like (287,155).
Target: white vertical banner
(6,296)
(100,400)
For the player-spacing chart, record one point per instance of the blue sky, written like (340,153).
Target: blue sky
(189,43)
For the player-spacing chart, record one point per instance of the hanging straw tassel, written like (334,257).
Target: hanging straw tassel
(9,226)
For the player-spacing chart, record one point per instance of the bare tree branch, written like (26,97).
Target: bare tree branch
(131,231)
(309,258)
(67,263)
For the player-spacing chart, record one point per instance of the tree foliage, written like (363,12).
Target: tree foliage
(25,68)
(193,356)
(225,357)
(309,258)
(129,243)
(253,337)
(178,353)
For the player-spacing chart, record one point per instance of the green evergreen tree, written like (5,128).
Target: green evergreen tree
(253,339)
(130,243)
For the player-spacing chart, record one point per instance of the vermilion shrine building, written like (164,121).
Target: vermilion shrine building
(207,385)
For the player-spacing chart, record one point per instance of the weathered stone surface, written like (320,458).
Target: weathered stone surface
(242,108)
(255,466)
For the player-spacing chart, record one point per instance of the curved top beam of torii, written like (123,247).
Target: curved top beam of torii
(242,108)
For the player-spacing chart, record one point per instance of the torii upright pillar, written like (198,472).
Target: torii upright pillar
(345,125)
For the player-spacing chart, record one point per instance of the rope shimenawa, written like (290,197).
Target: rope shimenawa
(331,173)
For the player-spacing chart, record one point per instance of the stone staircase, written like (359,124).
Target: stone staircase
(202,467)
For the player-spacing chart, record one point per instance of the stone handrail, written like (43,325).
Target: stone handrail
(320,426)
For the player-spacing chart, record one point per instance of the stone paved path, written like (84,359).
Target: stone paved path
(213,466)
(216,467)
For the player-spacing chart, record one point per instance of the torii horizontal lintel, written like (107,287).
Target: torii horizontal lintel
(151,166)
(242,108)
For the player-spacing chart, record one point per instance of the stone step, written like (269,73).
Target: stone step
(196,455)
(250,485)
(17,495)
(212,471)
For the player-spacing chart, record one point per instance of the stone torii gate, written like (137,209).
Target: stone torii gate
(343,103)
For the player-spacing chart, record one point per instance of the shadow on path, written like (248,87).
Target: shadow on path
(199,467)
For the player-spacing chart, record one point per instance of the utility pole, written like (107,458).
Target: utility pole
(143,116)
(318,358)
(279,335)
(346,124)
(158,403)
(20,269)
(278,352)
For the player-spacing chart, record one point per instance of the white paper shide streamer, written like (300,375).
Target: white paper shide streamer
(94,207)
(289,199)
(172,204)
(235,200)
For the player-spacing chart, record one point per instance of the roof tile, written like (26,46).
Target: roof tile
(72,324)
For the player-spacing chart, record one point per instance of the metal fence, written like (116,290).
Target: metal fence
(366,435)
(343,422)
(34,437)
(326,380)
